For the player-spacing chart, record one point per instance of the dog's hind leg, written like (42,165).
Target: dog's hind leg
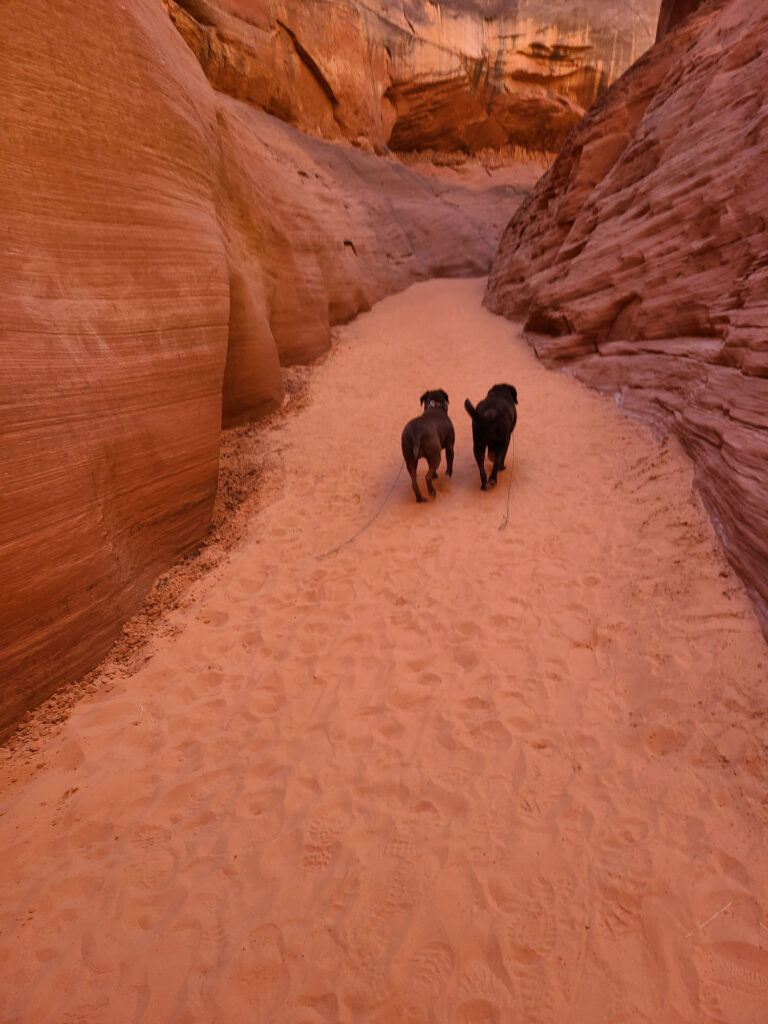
(498,463)
(449,443)
(416,491)
(411,464)
(434,462)
(411,467)
(479,450)
(502,456)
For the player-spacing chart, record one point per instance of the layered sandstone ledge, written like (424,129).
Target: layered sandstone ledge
(640,260)
(458,75)
(165,249)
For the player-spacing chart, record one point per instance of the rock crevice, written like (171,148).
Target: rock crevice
(449,76)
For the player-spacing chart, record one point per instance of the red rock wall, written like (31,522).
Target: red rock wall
(672,13)
(641,260)
(114,291)
(164,248)
(454,75)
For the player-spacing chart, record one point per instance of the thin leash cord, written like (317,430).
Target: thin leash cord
(509,488)
(373,518)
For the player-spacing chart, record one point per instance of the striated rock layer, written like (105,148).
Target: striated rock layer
(641,260)
(454,75)
(164,249)
(672,13)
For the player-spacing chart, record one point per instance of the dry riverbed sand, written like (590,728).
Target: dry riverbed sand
(450,773)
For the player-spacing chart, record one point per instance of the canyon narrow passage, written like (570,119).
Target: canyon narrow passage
(450,773)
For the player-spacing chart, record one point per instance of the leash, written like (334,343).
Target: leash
(509,487)
(373,518)
(380,509)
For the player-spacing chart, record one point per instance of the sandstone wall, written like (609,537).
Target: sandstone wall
(672,13)
(641,260)
(164,248)
(460,74)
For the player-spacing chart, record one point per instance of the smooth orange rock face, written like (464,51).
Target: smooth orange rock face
(164,248)
(114,290)
(454,75)
(639,260)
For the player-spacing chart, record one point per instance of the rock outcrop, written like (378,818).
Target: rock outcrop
(641,260)
(672,13)
(454,75)
(164,249)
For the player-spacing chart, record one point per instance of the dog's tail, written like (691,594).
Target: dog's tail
(410,447)
(471,409)
(487,414)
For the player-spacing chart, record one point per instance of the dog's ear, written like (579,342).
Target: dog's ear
(423,398)
(444,396)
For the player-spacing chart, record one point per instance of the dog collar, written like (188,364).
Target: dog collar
(432,404)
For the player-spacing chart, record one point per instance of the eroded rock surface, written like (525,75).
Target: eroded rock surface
(164,249)
(641,260)
(672,13)
(460,74)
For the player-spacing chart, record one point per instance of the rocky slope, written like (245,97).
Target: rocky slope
(165,248)
(461,74)
(641,260)
(672,13)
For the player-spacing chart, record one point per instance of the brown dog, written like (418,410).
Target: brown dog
(493,421)
(426,436)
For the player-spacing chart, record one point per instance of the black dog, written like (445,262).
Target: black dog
(425,437)
(493,421)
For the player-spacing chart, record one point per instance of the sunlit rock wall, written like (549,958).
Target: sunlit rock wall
(455,75)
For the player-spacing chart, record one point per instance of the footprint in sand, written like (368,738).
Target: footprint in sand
(481,998)
(427,971)
(465,655)
(157,863)
(148,836)
(209,910)
(382,920)
(477,706)
(491,735)
(527,922)
(531,932)
(732,975)
(321,839)
(536,988)
(623,870)
(481,720)
(257,976)
(662,740)
(400,847)
(212,617)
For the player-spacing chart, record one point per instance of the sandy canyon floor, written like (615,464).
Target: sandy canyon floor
(451,773)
